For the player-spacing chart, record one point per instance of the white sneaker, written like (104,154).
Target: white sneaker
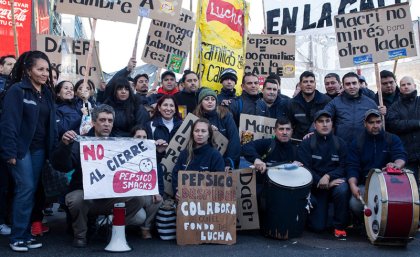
(5,230)
(18,246)
(33,244)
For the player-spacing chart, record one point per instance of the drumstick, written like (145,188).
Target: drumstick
(366,210)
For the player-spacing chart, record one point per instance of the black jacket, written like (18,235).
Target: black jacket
(226,95)
(325,155)
(389,100)
(279,108)
(301,117)
(19,120)
(155,130)
(206,158)
(227,128)
(248,104)
(403,119)
(190,100)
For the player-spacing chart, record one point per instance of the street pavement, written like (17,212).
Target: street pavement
(250,243)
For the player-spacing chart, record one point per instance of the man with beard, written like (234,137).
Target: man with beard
(403,119)
(277,105)
(348,109)
(305,104)
(390,91)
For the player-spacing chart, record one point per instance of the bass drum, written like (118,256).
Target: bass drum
(286,194)
(393,199)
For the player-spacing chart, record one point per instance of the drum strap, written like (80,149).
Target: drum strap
(270,149)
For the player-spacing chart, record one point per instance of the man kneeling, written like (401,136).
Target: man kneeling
(67,157)
(324,155)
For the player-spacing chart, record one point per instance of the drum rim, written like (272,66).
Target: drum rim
(291,187)
(415,200)
(384,211)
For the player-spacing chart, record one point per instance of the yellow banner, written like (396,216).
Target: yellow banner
(220,40)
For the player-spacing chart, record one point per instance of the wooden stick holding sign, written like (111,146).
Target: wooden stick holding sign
(137,38)
(378,84)
(91,45)
(15,41)
(97,55)
(395,66)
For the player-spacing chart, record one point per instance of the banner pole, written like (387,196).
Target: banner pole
(97,54)
(15,41)
(134,55)
(265,21)
(191,45)
(378,85)
(91,45)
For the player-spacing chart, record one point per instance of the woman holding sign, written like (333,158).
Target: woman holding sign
(199,155)
(165,122)
(221,120)
(28,134)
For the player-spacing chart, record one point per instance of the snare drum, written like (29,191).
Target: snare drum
(286,194)
(393,199)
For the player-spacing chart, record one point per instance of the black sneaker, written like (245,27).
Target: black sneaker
(19,246)
(33,244)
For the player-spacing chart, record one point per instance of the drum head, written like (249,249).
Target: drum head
(375,192)
(289,175)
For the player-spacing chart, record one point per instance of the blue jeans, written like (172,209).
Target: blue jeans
(26,174)
(339,195)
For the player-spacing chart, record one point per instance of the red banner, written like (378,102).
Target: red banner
(23,18)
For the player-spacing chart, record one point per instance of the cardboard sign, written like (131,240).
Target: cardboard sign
(23,19)
(206,212)
(375,36)
(162,10)
(69,56)
(303,16)
(246,194)
(179,142)
(118,168)
(266,54)
(168,44)
(221,40)
(121,10)
(252,127)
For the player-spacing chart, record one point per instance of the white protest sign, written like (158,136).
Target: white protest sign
(252,127)
(118,168)
(168,44)
(267,54)
(375,36)
(120,10)
(162,10)
(69,56)
(303,16)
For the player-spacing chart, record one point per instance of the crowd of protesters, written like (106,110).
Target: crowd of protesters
(338,136)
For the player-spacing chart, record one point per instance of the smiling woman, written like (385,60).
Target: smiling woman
(199,155)
(28,135)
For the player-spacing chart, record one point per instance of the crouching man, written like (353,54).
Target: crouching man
(66,157)
(324,155)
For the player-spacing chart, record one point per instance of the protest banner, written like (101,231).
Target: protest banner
(23,18)
(252,127)
(179,142)
(267,54)
(375,36)
(206,212)
(118,168)
(168,44)
(303,16)
(121,10)
(161,10)
(220,41)
(246,194)
(69,56)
